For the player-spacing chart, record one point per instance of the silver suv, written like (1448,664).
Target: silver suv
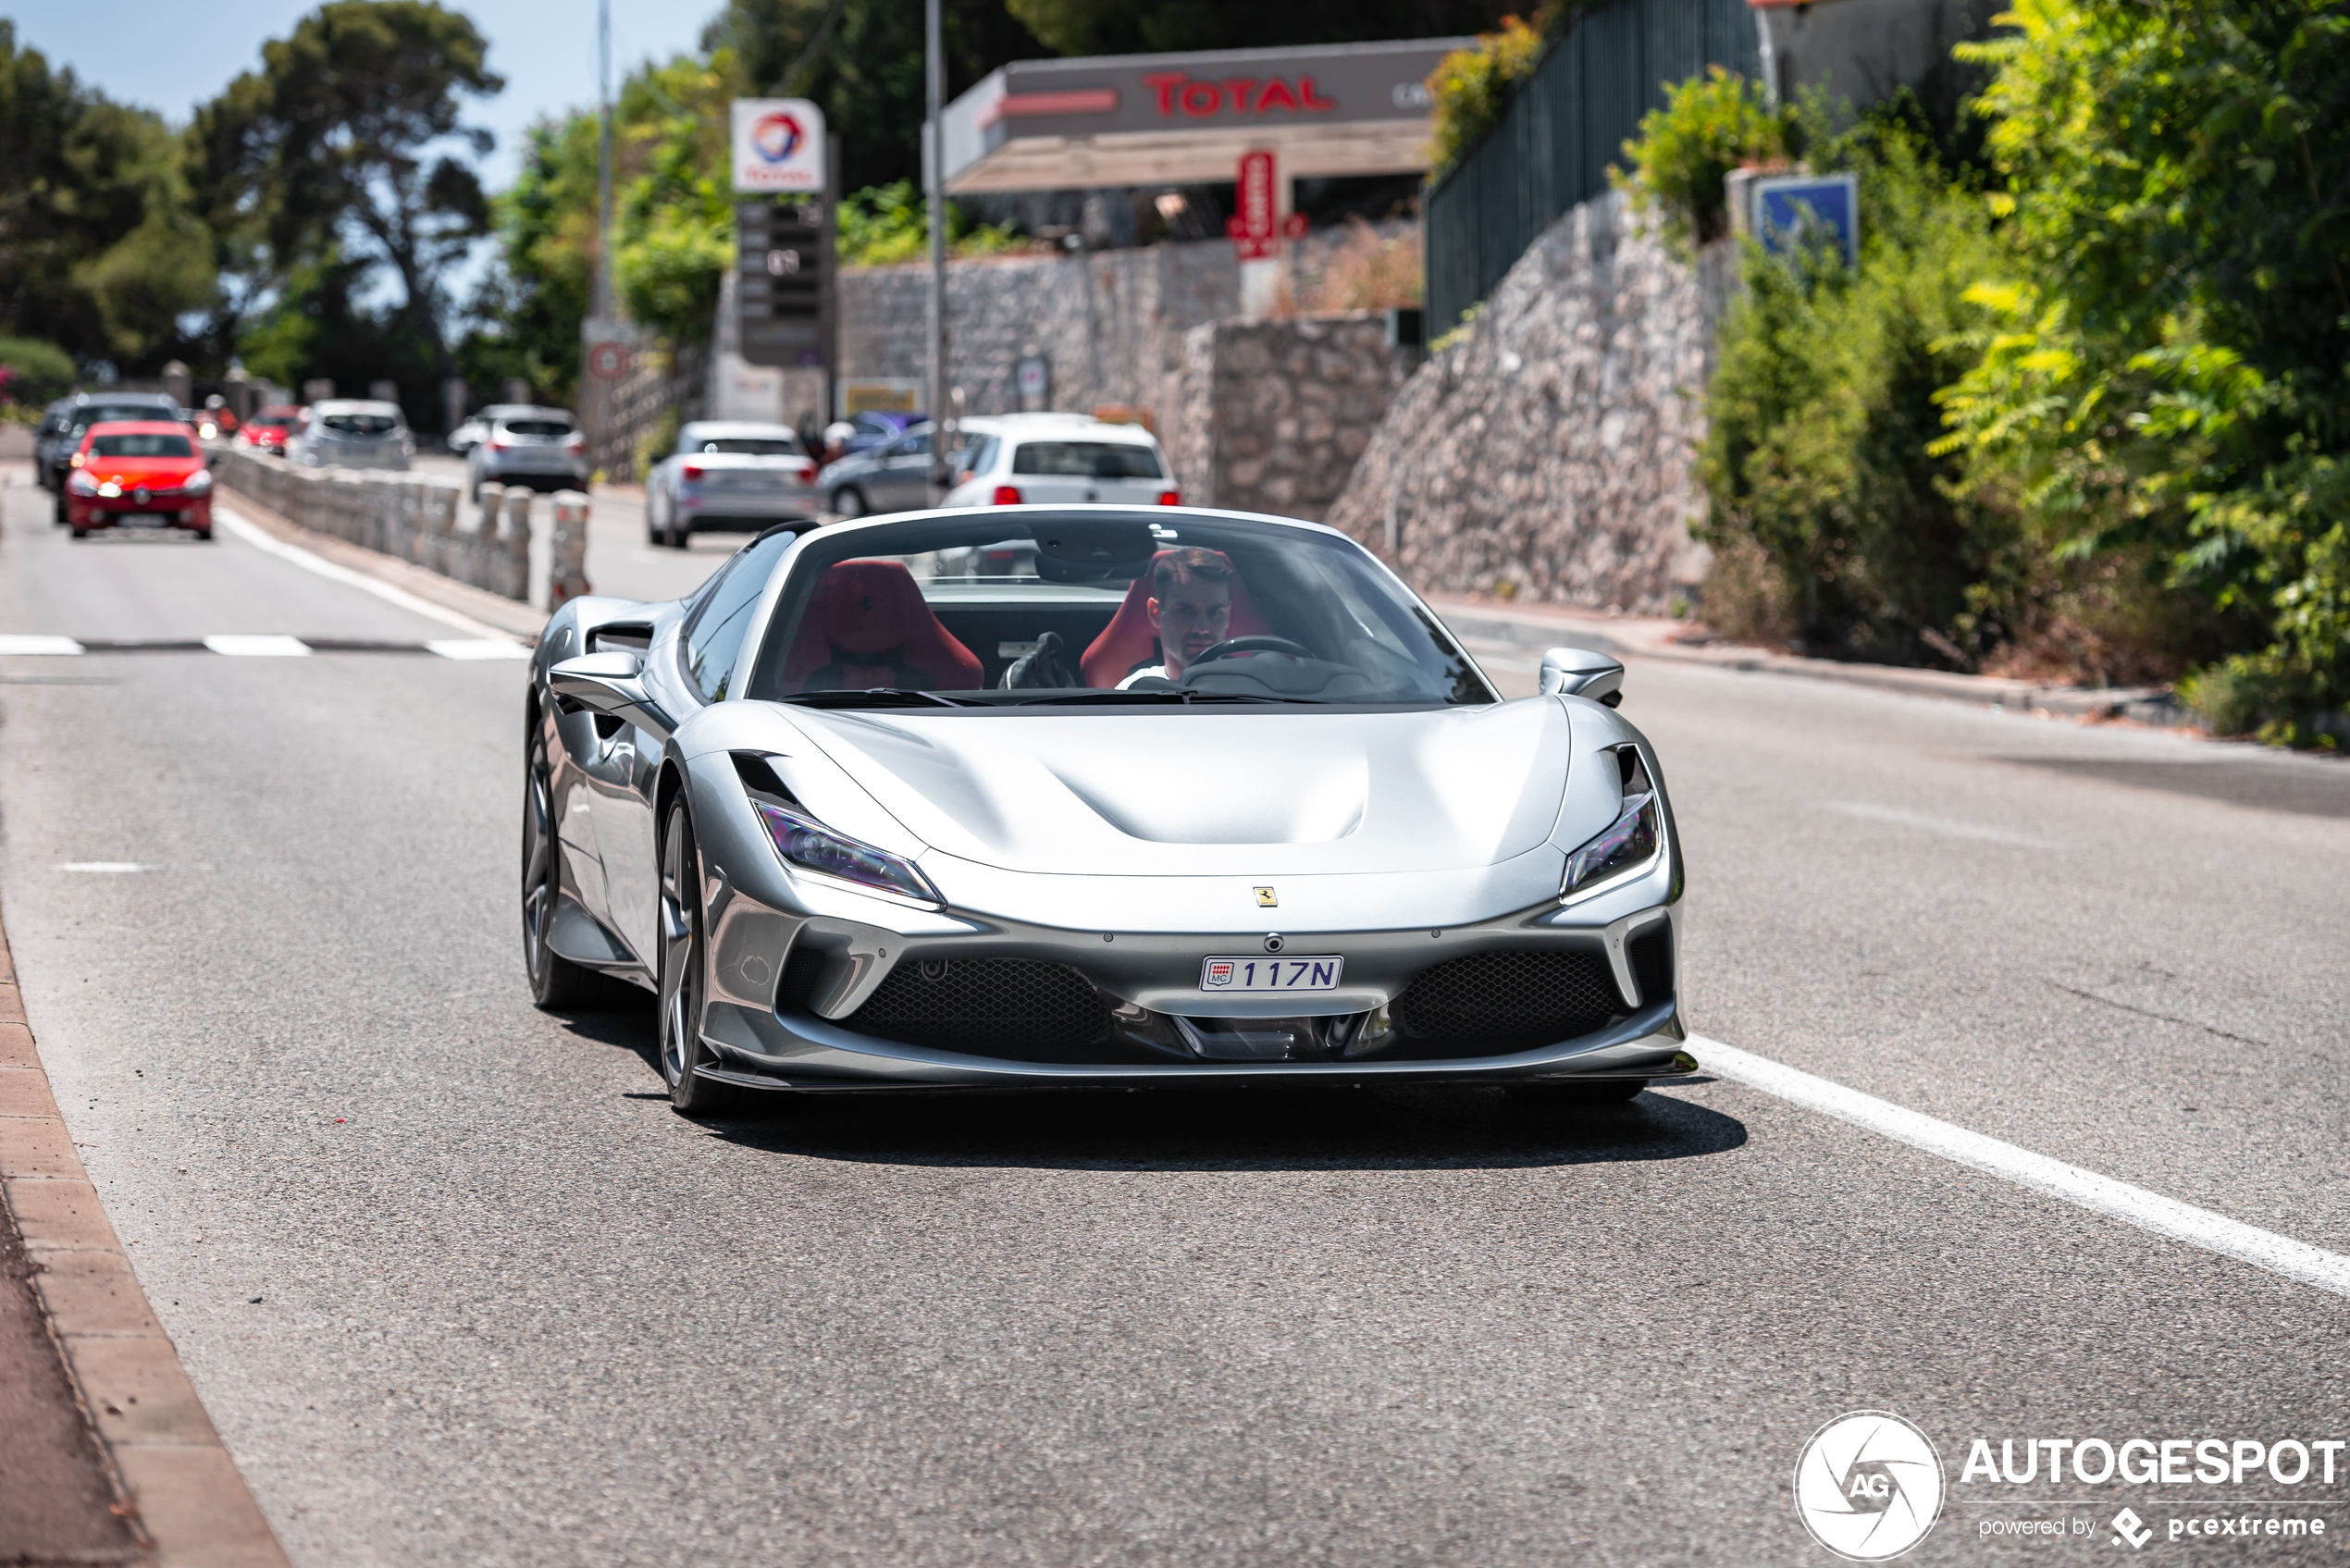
(538,447)
(352,433)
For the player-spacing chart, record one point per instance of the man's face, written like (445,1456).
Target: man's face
(1191,620)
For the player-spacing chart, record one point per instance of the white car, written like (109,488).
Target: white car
(729,476)
(1061,460)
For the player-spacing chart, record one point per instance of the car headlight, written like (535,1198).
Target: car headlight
(810,845)
(1626,847)
(198,483)
(110,490)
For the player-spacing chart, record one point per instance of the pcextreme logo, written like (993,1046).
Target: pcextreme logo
(1868,1485)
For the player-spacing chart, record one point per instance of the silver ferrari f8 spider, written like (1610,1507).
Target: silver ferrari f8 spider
(1038,795)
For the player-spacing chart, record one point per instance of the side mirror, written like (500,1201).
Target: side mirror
(1574,672)
(611,681)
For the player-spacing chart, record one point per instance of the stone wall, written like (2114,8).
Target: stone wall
(1109,323)
(1549,453)
(1275,413)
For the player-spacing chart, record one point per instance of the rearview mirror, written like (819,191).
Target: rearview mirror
(1575,671)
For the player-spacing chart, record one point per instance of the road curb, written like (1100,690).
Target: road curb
(182,1486)
(515,619)
(1637,637)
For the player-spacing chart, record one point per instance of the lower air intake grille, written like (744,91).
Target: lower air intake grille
(988,1007)
(1494,1002)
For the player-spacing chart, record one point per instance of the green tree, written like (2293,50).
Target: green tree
(339,149)
(2167,366)
(99,249)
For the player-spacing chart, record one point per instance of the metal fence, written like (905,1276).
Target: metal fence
(1567,121)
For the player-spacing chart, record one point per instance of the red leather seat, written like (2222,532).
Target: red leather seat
(1128,639)
(870,627)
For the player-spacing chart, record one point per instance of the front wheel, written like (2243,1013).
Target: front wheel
(682,967)
(849,502)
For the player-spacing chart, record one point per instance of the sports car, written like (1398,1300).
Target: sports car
(1062,796)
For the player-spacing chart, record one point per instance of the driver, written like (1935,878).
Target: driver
(1190,607)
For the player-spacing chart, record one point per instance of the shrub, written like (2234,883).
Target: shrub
(1821,410)
(33,372)
(1472,87)
(883,224)
(1709,126)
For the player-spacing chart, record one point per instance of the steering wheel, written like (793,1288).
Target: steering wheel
(1246,645)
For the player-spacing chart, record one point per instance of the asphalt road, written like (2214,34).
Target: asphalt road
(459,1288)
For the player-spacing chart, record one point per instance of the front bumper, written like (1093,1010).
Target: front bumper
(173,510)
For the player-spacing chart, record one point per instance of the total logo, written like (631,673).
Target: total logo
(775,136)
(1868,1485)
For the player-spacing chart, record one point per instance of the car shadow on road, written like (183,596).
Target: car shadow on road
(1325,1126)
(1271,1127)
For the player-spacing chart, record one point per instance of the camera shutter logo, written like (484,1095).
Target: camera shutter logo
(1868,1485)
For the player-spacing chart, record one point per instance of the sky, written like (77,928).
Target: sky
(171,54)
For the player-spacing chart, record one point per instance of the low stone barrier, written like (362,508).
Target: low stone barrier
(419,520)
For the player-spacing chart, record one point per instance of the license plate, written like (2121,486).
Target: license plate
(1268,973)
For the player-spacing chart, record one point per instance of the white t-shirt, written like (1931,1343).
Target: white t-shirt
(1147,669)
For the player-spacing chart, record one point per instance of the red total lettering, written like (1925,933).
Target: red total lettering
(1305,90)
(1164,83)
(1236,92)
(1276,95)
(1201,99)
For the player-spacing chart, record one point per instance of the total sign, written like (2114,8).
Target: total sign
(779,146)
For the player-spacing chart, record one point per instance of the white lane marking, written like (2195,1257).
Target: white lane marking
(251,534)
(267,646)
(2100,1194)
(1934,824)
(25,645)
(107,868)
(478,647)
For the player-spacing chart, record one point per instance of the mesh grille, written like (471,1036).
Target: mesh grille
(984,1005)
(1504,1001)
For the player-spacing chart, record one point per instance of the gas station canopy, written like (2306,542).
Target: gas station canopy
(1173,119)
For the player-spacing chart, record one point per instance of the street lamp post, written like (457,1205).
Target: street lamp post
(935,178)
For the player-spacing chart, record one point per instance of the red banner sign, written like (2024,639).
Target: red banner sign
(1256,227)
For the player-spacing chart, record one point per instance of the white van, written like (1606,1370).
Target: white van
(1059,459)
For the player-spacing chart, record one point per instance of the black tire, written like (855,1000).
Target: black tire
(683,967)
(61,516)
(849,502)
(1593,1092)
(555,981)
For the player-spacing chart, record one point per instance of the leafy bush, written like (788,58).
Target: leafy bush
(2167,366)
(1709,126)
(1472,87)
(1831,521)
(33,372)
(891,223)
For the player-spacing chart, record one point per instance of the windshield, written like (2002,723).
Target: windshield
(141,446)
(1102,607)
(751,445)
(359,424)
(106,414)
(1087,460)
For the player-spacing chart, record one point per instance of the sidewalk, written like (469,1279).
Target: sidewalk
(1531,628)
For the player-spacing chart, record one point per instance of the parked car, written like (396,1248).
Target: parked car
(352,433)
(142,472)
(1059,459)
(874,428)
(891,477)
(266,431)
(729,476)
(469,435)
(76,416)
(538,447)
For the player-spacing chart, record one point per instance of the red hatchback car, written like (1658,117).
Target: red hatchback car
(268,430)
(146,471)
